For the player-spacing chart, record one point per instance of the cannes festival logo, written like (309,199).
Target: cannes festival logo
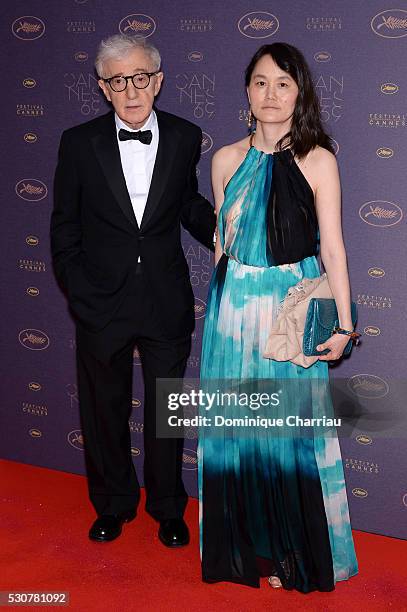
(33,339)
(207,143)
(258,24)
(31,190)
(32,241)
(35,433)
(28,28)
(29,83)
(34,386)
(364,439)
(81,56)
(30,137)
(376,272)
(75,439)
(384,152)
(389,88)
(200,308)
(189,459)
(322,56)
(33,291)
(195,56)
(372,330)
(368,386)
(391,23)
(359,492)
(140,24)
(381,213)
(335,145)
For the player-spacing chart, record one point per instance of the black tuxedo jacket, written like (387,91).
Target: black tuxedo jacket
(95,238)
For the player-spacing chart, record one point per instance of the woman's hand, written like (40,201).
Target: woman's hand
(336,344)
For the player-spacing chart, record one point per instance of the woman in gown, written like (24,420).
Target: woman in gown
(274,504)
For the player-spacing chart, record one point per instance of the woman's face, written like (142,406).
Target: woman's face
(272,92)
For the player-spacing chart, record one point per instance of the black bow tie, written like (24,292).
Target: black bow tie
(144,137)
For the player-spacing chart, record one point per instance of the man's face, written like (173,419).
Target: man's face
(132,105)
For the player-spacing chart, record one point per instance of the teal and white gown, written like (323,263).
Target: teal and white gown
(271,502)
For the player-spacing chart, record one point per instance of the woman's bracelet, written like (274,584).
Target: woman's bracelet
(354,336)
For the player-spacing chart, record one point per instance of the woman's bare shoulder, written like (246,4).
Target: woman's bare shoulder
(229,157)
(318,166)
(319,157)
(229,153)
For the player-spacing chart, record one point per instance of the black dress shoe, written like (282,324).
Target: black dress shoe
(108,527)
(173,532)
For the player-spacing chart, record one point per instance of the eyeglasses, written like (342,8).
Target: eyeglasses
(141,80)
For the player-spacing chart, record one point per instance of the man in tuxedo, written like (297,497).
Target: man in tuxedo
(123,184)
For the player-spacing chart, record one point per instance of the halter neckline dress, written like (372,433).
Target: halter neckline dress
(271,502)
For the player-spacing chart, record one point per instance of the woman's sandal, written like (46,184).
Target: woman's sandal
(275,582)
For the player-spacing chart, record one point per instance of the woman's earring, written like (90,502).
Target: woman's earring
(250,119)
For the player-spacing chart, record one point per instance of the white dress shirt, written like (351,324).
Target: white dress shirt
(138,161)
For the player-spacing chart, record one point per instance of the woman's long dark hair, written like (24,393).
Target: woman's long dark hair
(306,126)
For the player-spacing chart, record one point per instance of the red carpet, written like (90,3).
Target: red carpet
(44,547)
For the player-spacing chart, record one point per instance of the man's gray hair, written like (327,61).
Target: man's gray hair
(118,46)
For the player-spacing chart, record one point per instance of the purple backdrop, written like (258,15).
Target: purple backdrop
(356,52)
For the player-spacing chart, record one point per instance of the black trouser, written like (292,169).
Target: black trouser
(105,361)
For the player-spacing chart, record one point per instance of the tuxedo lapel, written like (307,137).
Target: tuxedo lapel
(169,139)
(107,151)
